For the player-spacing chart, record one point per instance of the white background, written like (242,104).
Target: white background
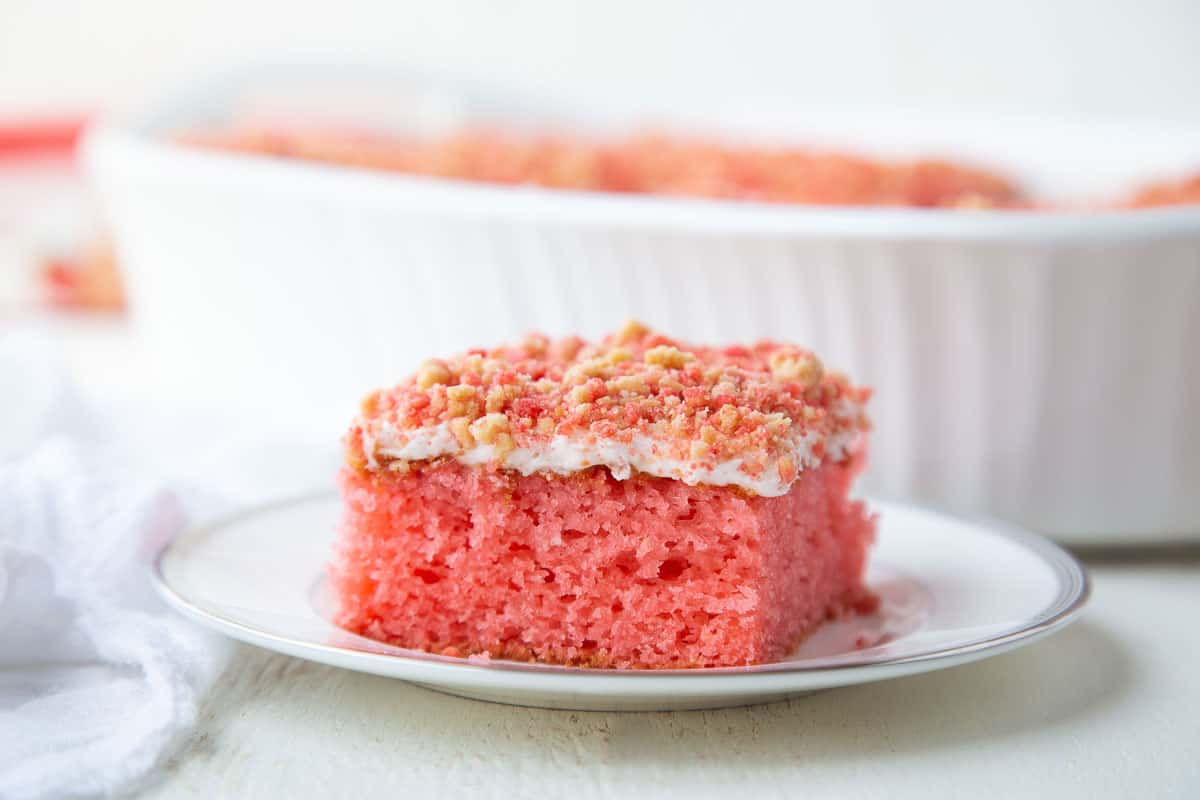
(1094,57)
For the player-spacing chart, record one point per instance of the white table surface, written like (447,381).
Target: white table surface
(1108,708)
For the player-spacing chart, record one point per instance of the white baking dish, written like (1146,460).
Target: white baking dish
(1036,367)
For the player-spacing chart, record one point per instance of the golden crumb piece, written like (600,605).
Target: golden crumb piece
(666,356)
(461,428)
(504,445)
(671,384)
(728,418)
(473,362)
(584,393)
(461,401)
(431,373)
(491,368)
(488,427)
(535,345)
(803,368)
(633,384)
(592,368)
(618,355)
(777,424)
(631,331)
(500,395)
(370,403)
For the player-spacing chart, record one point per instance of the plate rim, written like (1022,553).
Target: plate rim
(1064,609)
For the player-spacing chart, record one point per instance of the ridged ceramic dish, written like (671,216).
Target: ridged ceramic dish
(1038,367)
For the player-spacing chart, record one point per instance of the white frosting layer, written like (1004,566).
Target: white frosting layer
(564,455)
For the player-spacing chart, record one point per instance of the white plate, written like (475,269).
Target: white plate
(952,592)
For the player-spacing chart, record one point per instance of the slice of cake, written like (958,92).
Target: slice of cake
(636,502)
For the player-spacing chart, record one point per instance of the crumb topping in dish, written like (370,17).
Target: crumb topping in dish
(679,166)
(1182,191)
(636,400)
(641,164)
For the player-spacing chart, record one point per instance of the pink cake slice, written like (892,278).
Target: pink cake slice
(632,503)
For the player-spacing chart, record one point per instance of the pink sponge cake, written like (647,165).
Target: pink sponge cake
(632,503)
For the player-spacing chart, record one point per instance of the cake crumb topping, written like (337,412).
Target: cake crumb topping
(703,406)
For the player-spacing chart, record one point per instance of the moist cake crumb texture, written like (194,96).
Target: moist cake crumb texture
(590,570)
(601,566)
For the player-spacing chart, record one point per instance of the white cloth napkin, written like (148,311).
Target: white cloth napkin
(98,678)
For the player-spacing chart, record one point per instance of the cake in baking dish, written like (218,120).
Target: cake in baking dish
(680,166)
(635,502)
(643,164)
